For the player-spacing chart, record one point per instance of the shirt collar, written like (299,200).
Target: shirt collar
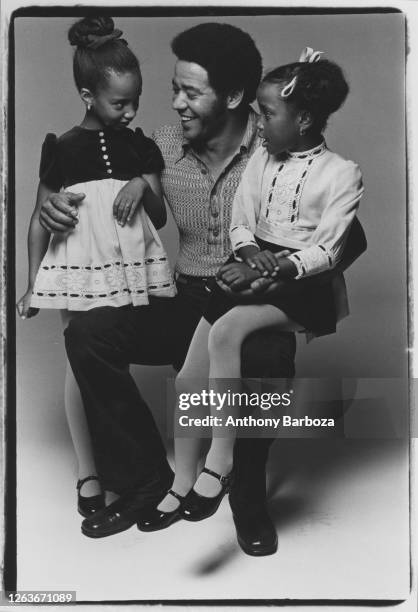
(247,142)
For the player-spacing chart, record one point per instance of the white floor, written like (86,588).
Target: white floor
(340,506)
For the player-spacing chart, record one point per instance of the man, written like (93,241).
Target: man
(216,76)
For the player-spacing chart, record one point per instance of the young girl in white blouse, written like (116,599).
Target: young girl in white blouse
(295,195)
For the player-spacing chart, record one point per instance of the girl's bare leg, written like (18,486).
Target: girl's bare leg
(192,378)
(225,341)
(77,423)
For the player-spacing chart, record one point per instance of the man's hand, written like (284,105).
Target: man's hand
(237,275)
(267,284)
(259,285)
(243,293)
(128,200)
(59,212)
(238,279)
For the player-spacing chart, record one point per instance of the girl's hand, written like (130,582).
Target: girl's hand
(24,308)
(265,262)
(128,200)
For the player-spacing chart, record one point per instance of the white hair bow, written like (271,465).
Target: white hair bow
(308,55)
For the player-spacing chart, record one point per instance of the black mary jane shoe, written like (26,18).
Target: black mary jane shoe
(154,519)
(197,507)
(123,513)
(87,506)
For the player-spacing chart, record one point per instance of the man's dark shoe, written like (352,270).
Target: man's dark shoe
(123,513)
(256,534)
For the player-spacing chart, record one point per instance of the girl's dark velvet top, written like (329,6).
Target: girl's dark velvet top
(78,156)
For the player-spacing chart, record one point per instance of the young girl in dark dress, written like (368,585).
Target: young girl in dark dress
(295,194)
(114,256)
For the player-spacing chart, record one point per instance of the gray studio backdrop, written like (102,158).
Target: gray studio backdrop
(369,129)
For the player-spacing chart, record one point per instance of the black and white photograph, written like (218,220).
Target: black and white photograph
(208,204)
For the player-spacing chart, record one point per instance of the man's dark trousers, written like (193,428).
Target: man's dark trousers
(129,452)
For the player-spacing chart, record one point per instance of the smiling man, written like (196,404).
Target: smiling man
(216,76)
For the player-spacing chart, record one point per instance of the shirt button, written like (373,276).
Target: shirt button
(101,134)
(215,213)
(108,163)
(109,171)
(204,171)
(104,149)
(102,140)
(215,232)
(105,156)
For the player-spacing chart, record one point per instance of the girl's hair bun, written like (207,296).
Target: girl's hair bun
(326,86)
(92,32)
(99,51)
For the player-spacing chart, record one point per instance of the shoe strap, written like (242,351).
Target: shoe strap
(176,495)
(86,479)
(224,480)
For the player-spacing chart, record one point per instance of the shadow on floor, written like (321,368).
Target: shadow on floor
(302,471)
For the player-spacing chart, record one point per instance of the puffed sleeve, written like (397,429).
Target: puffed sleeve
(150,155)
(330,236)
(50,172)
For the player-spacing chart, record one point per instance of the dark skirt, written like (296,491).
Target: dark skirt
(307,301)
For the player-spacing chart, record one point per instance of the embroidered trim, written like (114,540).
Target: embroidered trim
(321,246)
(318,150)
(89,296)
(271,190)
(315,257)
(105,266)
(297,261)
(301,267)
(104,281)
(276,200)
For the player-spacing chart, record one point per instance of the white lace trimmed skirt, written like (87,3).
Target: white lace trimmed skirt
(100,263)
